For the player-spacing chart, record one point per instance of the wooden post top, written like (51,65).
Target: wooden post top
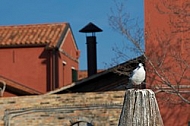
(140,108)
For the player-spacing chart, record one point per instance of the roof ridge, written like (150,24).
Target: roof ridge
(15,25)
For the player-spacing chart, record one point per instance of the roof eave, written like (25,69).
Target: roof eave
(19,88)
(94,76)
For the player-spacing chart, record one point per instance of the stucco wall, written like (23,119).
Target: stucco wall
(99,109)
(69,55)
(167,48)
(26,66)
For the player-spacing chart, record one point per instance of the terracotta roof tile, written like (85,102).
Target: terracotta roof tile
(31,34)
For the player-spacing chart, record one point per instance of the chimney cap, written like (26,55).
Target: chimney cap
(90,27)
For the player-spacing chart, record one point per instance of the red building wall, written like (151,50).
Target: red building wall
(40,57)
(26,66)
(69,60)
(168,50)
(33,66)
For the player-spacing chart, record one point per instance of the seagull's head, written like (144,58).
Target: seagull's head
(140,64)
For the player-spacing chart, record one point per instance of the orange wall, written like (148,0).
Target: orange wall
(66,70)
(71,59)
(163,47)
(24,65)
(33,66)
(173,112)
(69,45)
(8,94)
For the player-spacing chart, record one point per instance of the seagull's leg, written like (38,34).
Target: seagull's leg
(135,86)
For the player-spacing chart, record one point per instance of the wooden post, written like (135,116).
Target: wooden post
(140,108)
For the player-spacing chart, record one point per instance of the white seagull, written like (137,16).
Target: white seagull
(138,75)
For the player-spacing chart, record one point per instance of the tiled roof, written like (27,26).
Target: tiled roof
(36,34)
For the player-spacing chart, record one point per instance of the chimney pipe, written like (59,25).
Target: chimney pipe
(91,47)
(91,55)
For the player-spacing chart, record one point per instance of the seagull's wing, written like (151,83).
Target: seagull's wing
(134,71)
(138,75)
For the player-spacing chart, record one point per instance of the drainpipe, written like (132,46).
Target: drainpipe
(53,69)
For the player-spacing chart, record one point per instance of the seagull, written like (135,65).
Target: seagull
(138,75)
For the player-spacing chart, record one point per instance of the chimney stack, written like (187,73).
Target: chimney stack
(91,47)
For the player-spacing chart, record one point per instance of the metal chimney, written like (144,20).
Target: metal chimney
(91,47)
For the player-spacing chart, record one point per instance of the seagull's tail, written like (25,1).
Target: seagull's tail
(129,84)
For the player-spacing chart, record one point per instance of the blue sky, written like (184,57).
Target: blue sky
(78,13)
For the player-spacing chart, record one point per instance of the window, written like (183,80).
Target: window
(64,63)
(64,71)
(74,74)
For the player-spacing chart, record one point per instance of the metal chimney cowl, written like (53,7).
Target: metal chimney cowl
(91,47)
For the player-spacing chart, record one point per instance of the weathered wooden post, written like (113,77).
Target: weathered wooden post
(140,108)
